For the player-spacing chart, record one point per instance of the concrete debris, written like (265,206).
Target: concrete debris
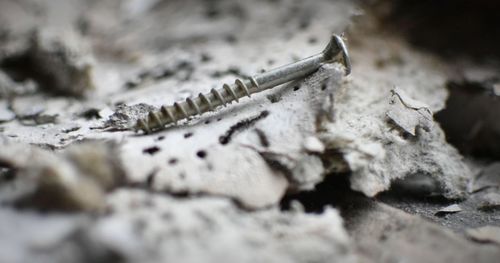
(125,116)
(409,114)
(386,234)
(490,201)
(10,88)
(185,230)
(313,145)
(303,173)
(57,60)
(27,107)
(74,180)
(99,161)
(418,196)
(146,227)
(5,114)
(449,210)
(375,152)
(489,177)
(46,238)
(486,234)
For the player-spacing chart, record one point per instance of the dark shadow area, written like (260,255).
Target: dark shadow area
(448,27)
(408,195)
(334,191)
(471,119)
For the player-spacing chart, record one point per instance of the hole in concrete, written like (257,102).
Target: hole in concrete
(151,150)
(324,86)
(273,98)
(205,57)
(188,134)
(7,173)
(21,68)
(296,88)
(173,161)
(333,191)
(90,114)
(201,154)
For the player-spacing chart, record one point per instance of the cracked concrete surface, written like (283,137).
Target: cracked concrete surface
(82,187)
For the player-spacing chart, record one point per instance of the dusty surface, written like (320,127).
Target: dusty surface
(80,186)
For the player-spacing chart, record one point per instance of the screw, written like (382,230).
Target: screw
(233,92)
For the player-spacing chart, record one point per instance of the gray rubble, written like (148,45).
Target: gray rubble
(385,234)
(142,222)
(73,180)
(385,133)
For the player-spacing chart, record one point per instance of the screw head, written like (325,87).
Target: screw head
(337,47)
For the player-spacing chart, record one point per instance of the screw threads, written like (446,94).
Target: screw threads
(233,92)
(198,105)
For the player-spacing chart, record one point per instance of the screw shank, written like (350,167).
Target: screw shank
(289,72)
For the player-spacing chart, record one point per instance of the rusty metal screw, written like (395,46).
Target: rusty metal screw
(233,92)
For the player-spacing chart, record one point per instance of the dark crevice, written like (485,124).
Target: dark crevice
(274,98)
(470,119)
(151,150)
(91,113)
(240,126)
(449,28)
(23,67)
(334,191)
(7,172)
(264,141)
(201,154)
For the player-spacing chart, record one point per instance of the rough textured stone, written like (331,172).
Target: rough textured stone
(214,230)
(374,129)
(75,180)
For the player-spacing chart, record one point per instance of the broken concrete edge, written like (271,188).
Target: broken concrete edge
(367,152)
(74,179)
(54,61)
(383,233)
(137,222)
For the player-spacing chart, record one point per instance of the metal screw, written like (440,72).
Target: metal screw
(233,92)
